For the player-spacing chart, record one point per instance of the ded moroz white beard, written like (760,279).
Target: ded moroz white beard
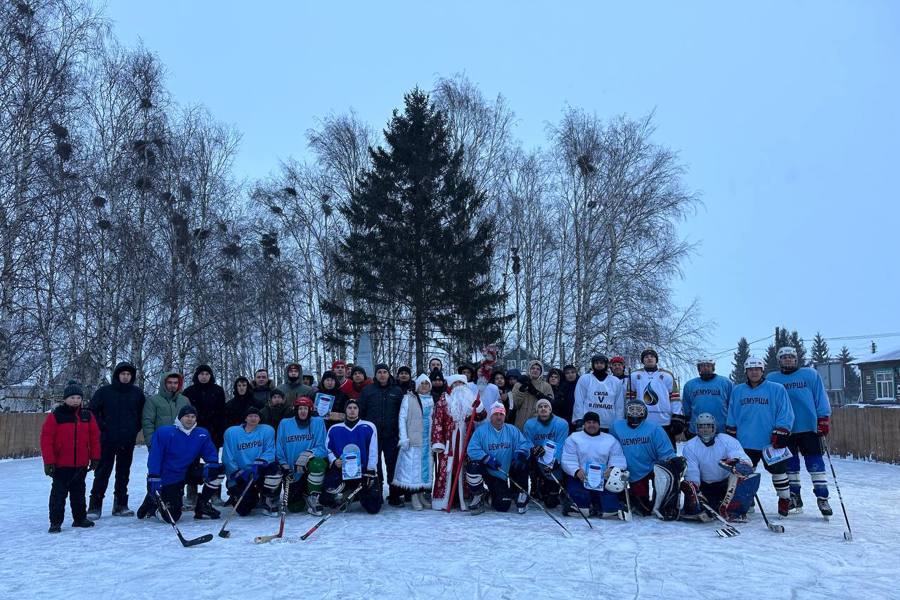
(460,403)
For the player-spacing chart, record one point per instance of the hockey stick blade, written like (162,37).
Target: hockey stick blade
(265,539)
(538,502)
(771,526)
(729,530)
(196,541)
(224,533)
(322,521)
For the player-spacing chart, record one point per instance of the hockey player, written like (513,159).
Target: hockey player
(300,450)
(497,446)
(249,457)
(68,456)
(547,433)
(174,460)
(760,415)
(718,473)
(353,453)
(595,466)
(658,390)
(617,366)
(601,393)
(646,447)
(812,414)
(708,393)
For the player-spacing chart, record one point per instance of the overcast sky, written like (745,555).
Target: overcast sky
(785,113)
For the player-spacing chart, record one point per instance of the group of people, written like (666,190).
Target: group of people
(602,443)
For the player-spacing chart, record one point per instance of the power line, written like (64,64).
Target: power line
(867,336)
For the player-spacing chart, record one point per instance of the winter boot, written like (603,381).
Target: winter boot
(190,502)
(476,506)
(205,510)
(147,507)
(120,508)
(417,501)
(312,505)
(784,505)
(95,508)
(824,507)
(83,523)
(796,506)
(425,497)
(55,529)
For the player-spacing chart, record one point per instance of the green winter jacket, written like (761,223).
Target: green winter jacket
(295,389)
(163,407)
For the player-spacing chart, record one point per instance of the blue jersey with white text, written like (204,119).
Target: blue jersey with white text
(643,446)
(756,411)
(294,439)
(555,429)
(502,445)
(808,397)
(711,397)
(242,447)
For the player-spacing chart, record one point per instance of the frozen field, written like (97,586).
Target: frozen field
(400,553)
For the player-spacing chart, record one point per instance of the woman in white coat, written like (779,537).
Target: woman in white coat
(414,471)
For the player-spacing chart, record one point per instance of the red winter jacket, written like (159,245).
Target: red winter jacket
(70,437)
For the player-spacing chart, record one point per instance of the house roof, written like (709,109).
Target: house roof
(887,356)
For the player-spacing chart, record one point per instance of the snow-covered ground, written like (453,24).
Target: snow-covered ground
(400,553)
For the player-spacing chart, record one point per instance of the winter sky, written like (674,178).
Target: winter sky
(784,112)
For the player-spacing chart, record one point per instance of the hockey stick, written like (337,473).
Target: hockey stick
(224,533)
(848,535)
(629,517)
(729,530)
(321,521)
(566,496)
(457,466)
(184,541)
(773,528)
(535,500)
(262,539)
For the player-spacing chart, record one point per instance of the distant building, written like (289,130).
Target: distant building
(518,358)
(880,374)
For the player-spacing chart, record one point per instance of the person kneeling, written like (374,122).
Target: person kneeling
(249,457)
(719,474)
(300,449)
(596,469)
(353,455)
(174,460)
(497,452)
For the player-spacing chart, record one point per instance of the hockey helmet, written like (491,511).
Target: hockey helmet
(635,413)
(754,363)
(706,427)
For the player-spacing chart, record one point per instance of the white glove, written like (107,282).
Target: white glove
(303,459)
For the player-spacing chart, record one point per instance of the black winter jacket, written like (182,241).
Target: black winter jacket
(118,409)
(381,405)
(209,400)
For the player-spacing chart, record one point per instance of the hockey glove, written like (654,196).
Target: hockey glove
(490,462)
(780,437)
(254,468)
(369,479)
(303,459)
(538,451)
(211,471)
(677,424)
(154,485)
(824,425)
(49,470)
(732,431)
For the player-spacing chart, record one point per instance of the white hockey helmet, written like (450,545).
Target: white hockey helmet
(706,360)
(754,362)
(615,483)
(706,426)
(787,351)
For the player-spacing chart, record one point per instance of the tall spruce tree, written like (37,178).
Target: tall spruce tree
(852,380)
(820,355)
(741,354)
(417,245)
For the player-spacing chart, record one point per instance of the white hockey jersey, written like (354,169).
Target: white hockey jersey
(703,461)
(659,392)
(606,398)
(581,449)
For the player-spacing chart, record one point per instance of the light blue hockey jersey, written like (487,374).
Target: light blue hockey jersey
(808,397)
(644,446)
(711,397)
(294,439)
(242,447)
(756,411)
(556,429)
(502,445)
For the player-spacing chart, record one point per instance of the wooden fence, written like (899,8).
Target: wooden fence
(868,432)
(871,432)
